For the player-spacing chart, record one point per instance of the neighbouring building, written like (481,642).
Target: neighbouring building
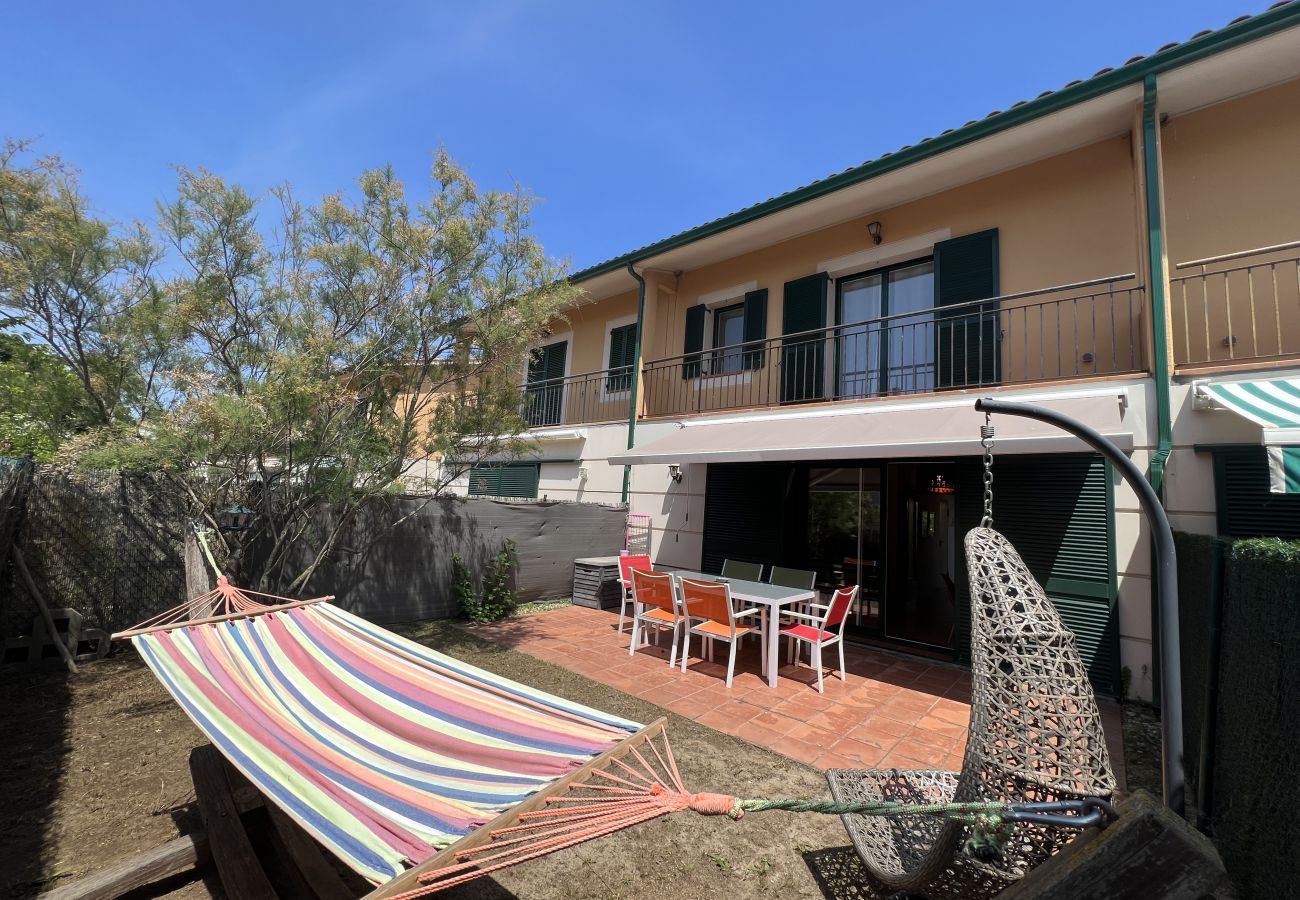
(801,374)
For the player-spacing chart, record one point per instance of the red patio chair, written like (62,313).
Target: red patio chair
(654,603)
(708,603)
(639,561)
(814,629)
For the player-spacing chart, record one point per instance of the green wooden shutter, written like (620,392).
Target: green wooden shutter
(545,390)
(967,341)
(755,329)
(743,514)
(803,359)
(622,357)
(1245,506)
(694,341)
(505,480)
(1058,512)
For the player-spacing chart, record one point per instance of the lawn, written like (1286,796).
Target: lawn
(98,771)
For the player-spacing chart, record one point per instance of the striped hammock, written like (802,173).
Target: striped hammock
(382,749)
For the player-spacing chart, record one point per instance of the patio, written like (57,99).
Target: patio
(891,711)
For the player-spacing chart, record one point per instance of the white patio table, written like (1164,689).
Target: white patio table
(768,597)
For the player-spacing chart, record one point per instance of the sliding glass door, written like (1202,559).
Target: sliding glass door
(845,541)
(880,349)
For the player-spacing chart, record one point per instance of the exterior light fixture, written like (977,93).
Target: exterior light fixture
(873,228)
(582,473)
(940,485)
(235,518)
(675,472)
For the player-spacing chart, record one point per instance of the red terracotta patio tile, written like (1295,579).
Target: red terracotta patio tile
(918,754)
(941,726)
(860,755)
(797,749)
(810,734)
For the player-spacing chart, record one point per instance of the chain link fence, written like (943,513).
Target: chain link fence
(106,544)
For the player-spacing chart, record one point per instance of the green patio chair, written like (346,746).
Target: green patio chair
(793,578)
(742,571)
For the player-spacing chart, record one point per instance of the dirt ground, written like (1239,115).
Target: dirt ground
(97,769)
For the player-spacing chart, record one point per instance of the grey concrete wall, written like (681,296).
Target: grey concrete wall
(405,575)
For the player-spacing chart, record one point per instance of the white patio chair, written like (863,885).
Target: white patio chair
(654,603)
(710,615)
(814,629)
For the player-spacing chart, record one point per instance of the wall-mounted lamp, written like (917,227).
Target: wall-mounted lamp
(582,473)
(675,472)
(873,228)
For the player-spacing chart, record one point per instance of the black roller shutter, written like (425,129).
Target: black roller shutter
(967,340)
(744,513)
(803,359)
(1245,506)
(1058,513)
(693,343)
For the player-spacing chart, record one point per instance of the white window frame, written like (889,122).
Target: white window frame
(712,301)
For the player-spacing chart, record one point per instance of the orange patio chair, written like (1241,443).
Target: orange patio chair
(710,614)
(639,561)
(654,603)
(814,629)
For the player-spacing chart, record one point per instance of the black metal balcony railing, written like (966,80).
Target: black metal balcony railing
(578,399)
(1088,328)
(1238,307)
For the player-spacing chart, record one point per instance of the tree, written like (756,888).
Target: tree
(41,402)
(312,362)
(81,288)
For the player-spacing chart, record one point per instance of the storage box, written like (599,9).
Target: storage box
(595,582)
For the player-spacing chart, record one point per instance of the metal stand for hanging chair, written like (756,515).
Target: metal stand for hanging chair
(1035,736)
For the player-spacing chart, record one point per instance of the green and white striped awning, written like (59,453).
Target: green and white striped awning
(1275,406)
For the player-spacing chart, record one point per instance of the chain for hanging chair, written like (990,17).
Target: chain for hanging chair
(986,440)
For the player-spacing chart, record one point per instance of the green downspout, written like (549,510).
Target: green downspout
(1160,334)
(636,375)
(1156,250)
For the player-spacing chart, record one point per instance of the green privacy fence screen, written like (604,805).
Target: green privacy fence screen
(1253,763)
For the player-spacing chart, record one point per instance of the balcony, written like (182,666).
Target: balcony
(1078,330)
(586,399)
(1237,309)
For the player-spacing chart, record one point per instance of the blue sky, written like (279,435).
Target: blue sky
(631,121)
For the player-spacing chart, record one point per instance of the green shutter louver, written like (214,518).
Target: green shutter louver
(693,342)
(1058,512)
(544,393)
(803,359)
(968,340)
(1246,506)
(622,357)
(505,480)
(755,329)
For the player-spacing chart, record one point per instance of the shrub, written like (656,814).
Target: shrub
(499,596)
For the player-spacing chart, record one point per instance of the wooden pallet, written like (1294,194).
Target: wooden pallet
(236,819)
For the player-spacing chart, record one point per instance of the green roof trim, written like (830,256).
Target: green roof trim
(1205,43)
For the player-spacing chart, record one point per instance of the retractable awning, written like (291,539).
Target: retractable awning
(1274,405)
(918,429)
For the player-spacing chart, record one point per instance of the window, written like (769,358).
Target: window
(895,356)
(504,480)
(728,334)
(622,357)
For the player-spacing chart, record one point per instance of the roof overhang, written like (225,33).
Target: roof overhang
(1244,57)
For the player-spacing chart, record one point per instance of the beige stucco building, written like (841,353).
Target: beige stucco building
(802,372)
